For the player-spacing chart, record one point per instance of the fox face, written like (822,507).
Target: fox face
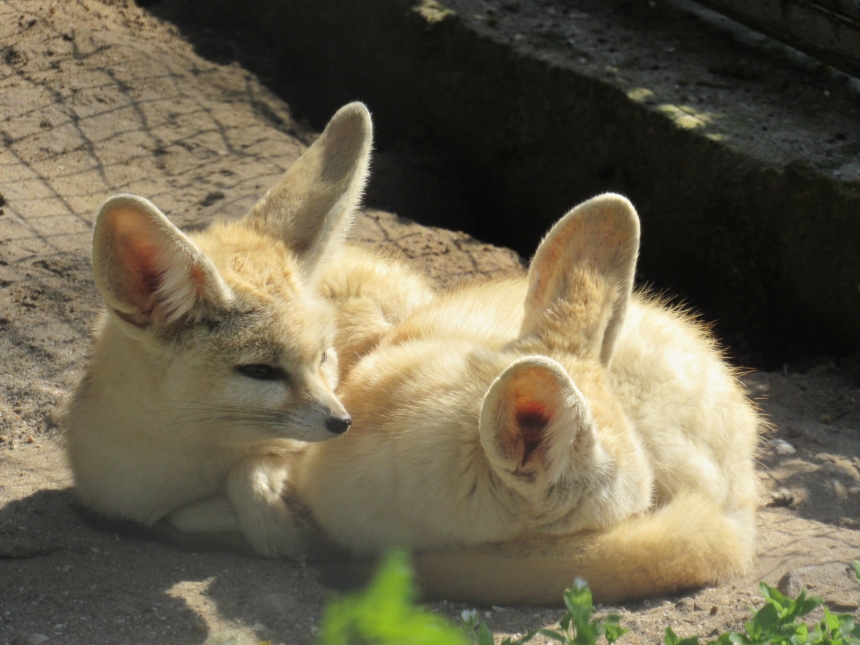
(225,326)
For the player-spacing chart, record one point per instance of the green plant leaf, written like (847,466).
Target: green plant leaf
(766,619)
(773,595)
(831,620)
(485,636)
(613,630)
(385,614)
(801,606)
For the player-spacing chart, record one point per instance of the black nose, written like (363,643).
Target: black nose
(338,425)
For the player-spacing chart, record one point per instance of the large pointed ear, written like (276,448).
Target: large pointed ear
(312,207)
(147,270)
(583,272)
(530,416)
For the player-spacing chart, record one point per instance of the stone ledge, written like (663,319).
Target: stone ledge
(741,157)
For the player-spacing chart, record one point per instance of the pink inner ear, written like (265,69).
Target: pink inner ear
(532,420)
(139,259)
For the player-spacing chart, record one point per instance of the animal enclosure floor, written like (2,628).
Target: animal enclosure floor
(98,98)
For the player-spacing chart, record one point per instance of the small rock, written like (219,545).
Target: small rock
(790,584)
(714,610)
(854,490)
(833,580)
(3,438)
(684,604)
(782,447)
(30,439)
(781,497)
(30,639)
(646,603)
(839,490)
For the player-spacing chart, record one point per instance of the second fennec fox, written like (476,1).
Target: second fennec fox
(594,434)
(214,359)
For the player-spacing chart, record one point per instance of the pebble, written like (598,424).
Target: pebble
(854,490)
(3,438)
(782,447)
(839,490)
(781,497)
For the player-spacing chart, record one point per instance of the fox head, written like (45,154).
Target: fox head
(549,424)
(226,324)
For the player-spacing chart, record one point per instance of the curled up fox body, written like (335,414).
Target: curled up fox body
(592,432)
(214,363)
(514,434)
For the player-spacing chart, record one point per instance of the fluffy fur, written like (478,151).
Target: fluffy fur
(594,433)
(214,361)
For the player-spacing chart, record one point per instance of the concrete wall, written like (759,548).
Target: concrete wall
(767,246)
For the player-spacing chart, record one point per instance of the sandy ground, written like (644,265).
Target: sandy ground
(98,98)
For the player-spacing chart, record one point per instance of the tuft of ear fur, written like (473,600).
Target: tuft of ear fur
(529,417)
(312,207)
(147,270)
(587,260)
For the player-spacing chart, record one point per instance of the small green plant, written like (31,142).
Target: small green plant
(385,614)
(577,627)
(777,623)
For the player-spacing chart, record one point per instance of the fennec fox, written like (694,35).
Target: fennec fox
(213,362)
(596,433)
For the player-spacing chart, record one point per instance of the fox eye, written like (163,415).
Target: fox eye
(262,372)
(324,357)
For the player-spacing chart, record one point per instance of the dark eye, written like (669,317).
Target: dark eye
(262,372)
(324,357)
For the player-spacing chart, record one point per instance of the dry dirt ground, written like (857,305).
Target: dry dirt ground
(98,98)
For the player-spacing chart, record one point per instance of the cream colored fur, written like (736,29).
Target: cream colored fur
(174,419)
(528,431)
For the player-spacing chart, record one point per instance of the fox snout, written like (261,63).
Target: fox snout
(326,415)
(338,425)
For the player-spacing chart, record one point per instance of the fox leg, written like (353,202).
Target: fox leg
(209,515)
(256,487)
